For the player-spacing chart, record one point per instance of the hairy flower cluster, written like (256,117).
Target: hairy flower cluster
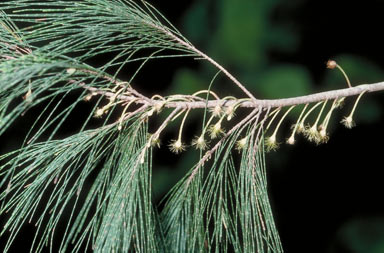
(100,112)
(230,112)
(348,122)
(176,146)
(315,134)
(200,143)
(217,111)
(216,130)
(240,144)
(154,141)
(271,144)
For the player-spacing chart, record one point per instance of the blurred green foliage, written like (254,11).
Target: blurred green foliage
(188,82)
(239,36)
(363,235)
(283,81)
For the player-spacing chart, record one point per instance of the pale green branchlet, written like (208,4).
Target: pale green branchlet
(216,130)
(299,126)
(348,121)
(199,142)
(331,64)
(324,125)
(177,146)
(271,142)
(312,133)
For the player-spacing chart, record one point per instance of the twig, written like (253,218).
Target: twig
(264,103)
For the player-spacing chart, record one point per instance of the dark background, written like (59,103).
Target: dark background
(325,198)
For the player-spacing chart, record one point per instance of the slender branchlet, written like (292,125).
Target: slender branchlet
(207,124)
(270,142)
(299,126)
(348,121)
(207,92)
(331,64)
(216,130)
(312,132)
(154,139)
(177,146)
(324,125)
(123,114)
(274,113)
(339,102)
(199,142)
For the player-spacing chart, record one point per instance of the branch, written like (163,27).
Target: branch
(196,102)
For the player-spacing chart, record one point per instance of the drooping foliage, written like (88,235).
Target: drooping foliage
(92,190)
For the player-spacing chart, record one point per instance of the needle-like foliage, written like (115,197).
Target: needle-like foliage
(61,36)
(51,177)
(97,181)
(254,212)
(90,28)
(225,209)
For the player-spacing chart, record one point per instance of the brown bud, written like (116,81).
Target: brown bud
(331,64)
